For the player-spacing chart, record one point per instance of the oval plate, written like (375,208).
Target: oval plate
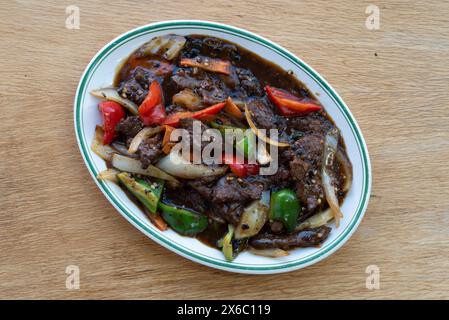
(101,71)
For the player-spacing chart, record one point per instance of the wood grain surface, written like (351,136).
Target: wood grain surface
(395,80)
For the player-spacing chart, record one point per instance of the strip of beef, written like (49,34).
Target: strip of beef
(303,238)
(282,178)
(305,168)
(227,212)
(135,88)
(263,115)
(207,85)
(315,123)
(228,196)
(150,150)
(232,189)
(186,198)
(248,82)
(204,186)
(129,127)
(212,46)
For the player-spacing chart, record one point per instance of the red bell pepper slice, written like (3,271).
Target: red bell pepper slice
(241,170)
(152,109)
(202,115)
(208,113)
(111,113)
(173,119)
(289,104)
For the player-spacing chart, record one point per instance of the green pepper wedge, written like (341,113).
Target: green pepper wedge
(148,194)
(227,244)
(183,221)
(285,207)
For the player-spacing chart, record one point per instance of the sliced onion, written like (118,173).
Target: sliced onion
(317,220)
(259,133)
(188,99)
(269,253)
(142,135)
(111,93)
(168,46)
(346,165)
(108,175)
(177,166)
(253,218)
(103,151)
(135,166)
(122,149)
(330,148)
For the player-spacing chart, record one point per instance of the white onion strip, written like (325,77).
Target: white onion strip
(103,151)
(135,166)
(111,94)
(142,135)
(330,148)
(177,166)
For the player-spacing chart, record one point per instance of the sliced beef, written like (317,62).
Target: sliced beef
(232,189)
(312,123)
(263,115)
(129,127)
(132,90)
(248,82)
(204,186)
(150,150)
(228,212)
(187,198)
(282,178)
(211,46)
(305,169)
(303,238)
(228,196)
(188,78)
(207,85)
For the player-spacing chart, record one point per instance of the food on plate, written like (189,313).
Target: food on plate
(199,82)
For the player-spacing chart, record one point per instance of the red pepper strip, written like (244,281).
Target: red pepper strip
(289,104)
(202,115)
(173,119)
(206,114)
(152,110)
(111,113)
(241,170)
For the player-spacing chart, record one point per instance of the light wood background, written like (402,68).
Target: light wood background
(395,80)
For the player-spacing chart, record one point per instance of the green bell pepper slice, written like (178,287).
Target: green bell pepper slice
(183,221)
(227,248)
(148,194)
(285,207)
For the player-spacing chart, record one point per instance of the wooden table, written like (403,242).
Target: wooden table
(395,80)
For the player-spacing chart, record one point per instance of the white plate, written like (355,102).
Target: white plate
(100,72)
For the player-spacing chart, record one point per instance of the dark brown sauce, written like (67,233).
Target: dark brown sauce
(267,73)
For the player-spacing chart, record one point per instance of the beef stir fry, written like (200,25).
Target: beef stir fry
(187,82)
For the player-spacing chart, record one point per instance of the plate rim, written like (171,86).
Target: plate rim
(224,265)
